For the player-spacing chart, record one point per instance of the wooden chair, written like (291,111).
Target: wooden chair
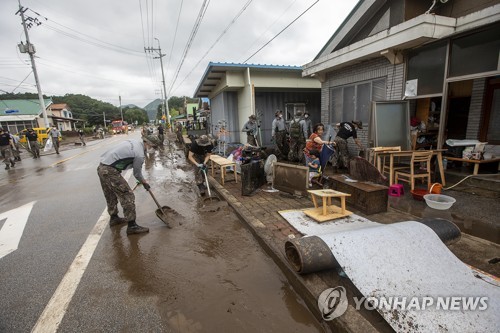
(397,165)
(416,170)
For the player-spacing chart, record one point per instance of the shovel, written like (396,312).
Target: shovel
(160,212)
(210,197)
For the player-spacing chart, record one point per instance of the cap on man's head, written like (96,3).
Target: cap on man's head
(203,141)
(252,117)
(277,112)
(358,123)
(298,114)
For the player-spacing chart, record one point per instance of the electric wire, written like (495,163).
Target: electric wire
(279,33)
(175,35)
(96,41)
(196,26)
(270,26)
(216,41)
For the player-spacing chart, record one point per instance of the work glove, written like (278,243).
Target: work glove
(147,187)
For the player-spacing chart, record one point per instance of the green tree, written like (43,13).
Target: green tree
(131,115)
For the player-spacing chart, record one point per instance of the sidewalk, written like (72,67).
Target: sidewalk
(260,213)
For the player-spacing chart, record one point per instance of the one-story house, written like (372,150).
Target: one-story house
(17,115)
(237,91)
(20,114)
(442,57)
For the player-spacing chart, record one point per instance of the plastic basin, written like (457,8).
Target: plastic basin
(439,201)
(418,193)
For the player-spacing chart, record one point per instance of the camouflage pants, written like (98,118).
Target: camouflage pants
(35,148)
(296,152)
(7,158)
(116,189)
(55,143)
(279,139)
(341,158)
(251,140)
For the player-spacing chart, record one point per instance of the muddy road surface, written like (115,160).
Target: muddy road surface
(206,274)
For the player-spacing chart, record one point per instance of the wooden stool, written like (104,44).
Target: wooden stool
(327,211)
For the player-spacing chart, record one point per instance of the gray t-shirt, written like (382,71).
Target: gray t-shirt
(127,154)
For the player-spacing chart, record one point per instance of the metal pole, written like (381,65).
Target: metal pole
(121,111)
(31,52)
(163,81)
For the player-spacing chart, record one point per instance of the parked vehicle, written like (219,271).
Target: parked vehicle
(42,134)
(119,126)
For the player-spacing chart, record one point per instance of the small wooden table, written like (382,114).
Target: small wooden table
(476,162)
(223,163)
(327,211)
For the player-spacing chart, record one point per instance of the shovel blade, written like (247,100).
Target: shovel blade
(161,213)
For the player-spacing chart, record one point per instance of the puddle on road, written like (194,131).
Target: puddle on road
(209,274)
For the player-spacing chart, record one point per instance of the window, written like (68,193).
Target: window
(475,53)
(353,102)
(426,64)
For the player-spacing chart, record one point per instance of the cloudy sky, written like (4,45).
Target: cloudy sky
(96,47)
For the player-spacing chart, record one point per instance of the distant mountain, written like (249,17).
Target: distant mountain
(131,106)
(152,108)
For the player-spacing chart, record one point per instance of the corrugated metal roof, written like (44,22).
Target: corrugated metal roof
(23,106)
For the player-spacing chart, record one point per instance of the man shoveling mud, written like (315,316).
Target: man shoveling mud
(199,155)
(127,154)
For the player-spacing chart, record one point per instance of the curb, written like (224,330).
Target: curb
(307,287)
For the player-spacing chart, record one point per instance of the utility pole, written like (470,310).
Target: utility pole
(104,116)
(121,111)
(30,49)
(165,98)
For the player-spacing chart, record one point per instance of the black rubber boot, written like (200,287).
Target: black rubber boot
(116,220)
(133,228)
(7,167)
(12,163)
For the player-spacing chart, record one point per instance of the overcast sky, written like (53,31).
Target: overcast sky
(96,47)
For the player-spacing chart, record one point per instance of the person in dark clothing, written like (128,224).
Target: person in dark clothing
(161,135)
(125,155)
(5,148)
(33,142)
(81,135)
(199,155)
(346,130)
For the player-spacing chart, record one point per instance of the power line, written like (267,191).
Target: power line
(196,26)
(99,42)
(279,33)
(217,40)
(269,27)
(175,35)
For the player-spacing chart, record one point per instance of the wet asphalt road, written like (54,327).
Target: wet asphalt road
(206,274)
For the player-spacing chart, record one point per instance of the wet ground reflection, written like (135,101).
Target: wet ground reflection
(208,273)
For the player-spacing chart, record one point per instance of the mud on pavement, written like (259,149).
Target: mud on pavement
(207,273)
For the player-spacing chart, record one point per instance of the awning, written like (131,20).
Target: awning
(27,117)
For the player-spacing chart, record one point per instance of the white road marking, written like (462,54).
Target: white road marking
(55,310)
(13,228)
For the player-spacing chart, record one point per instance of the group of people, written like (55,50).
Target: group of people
(9,145)
(131,154)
